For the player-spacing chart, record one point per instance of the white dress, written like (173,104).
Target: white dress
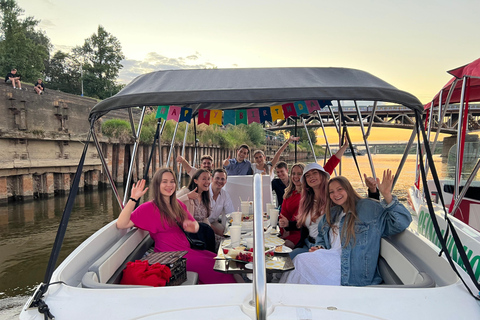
(319,267)
(256,170)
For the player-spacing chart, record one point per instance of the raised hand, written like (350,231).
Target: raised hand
(138,189)
(226,162)
(385,187)
(371,183)
(193,195)
(292,139)
(180,159)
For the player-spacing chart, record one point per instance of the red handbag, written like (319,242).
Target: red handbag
(141,273)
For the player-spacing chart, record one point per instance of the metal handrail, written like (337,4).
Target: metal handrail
(259,271)
(134,153)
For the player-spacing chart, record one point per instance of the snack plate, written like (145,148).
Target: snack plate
(269,250)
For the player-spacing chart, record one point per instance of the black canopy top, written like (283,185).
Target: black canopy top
(244,88)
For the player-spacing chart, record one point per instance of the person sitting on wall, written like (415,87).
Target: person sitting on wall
(239,166)
(206,162)
(39,87)
(14,78)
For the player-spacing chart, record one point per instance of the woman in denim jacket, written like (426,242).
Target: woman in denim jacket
(348,242)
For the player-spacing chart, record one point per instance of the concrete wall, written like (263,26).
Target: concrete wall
(42,139)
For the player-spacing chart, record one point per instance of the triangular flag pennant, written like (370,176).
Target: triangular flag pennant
(186,115)
(265,114)
(162,112)
(289,110)
(241,117)
(277,113)
(174,113)
(324,103)
(301,107)
(312,105)
(216,117)
(253,115)
(229,117)
(204,116)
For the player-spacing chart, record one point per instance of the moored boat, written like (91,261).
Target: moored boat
(418,283)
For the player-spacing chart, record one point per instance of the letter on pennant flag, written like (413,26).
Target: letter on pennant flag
(312,105)
(203,116)
(162,112)
(186,115)
(277,113)
(289,110)
(301,107)
(253,115)
(241,117)
(216,117)
(265,114)
(229,117)
(174,113)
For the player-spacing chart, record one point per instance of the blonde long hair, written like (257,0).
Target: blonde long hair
(177,214)
(291,186)
(307,201)
(348,231)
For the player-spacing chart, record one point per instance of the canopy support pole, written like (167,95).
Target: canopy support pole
(160,158)
(405,155)
(196,143)
(370,123)
(339,135)
(360,120)
(183,154)
(459,162)
(296,135)
(309,139)
(157,136)
(326,139)
(171,145)
(105,167)
(134,154)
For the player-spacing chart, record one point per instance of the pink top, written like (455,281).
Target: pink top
(167,237)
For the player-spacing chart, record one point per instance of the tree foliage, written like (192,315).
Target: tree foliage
(22,45)
(63,73)
(100,56)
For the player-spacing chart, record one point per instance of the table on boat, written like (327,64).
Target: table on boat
(279,263)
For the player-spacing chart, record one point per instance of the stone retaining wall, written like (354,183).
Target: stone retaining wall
(42,139)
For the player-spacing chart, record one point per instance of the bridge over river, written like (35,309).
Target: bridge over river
(394,116)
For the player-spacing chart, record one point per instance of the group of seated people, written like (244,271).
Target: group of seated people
(334,233)
(14,78)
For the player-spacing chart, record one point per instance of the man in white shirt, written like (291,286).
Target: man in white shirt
(220,201)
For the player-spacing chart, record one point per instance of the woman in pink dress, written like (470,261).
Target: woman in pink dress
(164,217)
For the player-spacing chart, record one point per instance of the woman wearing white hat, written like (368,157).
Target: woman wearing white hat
(312,205)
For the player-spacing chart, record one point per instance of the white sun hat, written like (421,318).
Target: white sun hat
(312,166)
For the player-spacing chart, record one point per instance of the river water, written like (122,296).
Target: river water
(28,229)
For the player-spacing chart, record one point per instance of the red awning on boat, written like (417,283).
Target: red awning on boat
(471,71)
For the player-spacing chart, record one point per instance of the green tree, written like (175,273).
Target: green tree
(22,46)
(100,55)
(63,73)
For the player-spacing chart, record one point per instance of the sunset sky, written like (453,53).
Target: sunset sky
(409,43)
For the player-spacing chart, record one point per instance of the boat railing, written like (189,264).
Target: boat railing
(259,272)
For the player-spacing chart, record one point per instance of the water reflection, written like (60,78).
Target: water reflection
(28,229)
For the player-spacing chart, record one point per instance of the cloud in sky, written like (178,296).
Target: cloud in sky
(155,61)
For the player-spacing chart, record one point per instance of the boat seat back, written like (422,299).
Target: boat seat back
(106,272)
(241,187)
(397,270)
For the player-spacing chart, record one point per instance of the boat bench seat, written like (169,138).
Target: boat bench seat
(397,270)
(106,272)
